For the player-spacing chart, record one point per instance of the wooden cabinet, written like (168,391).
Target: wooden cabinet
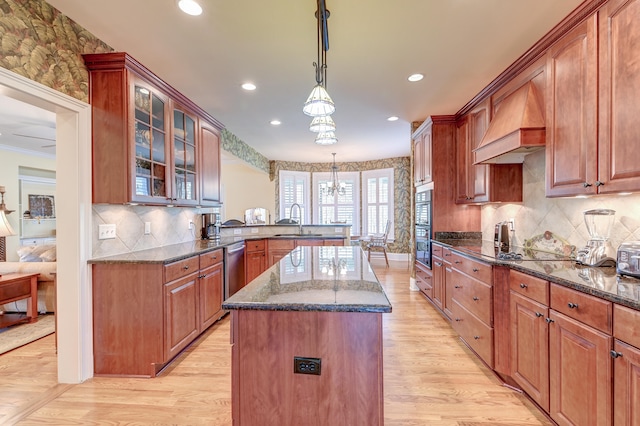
(438,273)
(144,314)
(424,280)
(255,261)
(529,352)
(626,366)
(422,159)
(448,282)
(481,183)
(472,304)
(148,139)
(277,249)
(591,109)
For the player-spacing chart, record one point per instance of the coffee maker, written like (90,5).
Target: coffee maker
(210,226)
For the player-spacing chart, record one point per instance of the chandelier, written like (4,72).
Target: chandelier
(334,186)
(319,104)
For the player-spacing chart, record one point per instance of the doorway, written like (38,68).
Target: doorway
(73,165)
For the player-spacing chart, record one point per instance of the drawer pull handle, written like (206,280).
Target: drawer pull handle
(549,320)
(438,264)
(458,319)
(539,314)
(572,305)
(615,354)
(475,298)
(457,262)
(475,269)
(523,285)
(185,267)
(457,286)
(447,254)
(586,184)
(476,337)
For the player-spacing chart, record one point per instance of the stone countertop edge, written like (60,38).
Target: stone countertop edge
(306,307)
(480,250)
(180,251)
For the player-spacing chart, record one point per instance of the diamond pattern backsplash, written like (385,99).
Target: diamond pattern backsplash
(562,216)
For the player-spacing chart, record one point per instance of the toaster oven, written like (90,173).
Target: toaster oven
(629,259)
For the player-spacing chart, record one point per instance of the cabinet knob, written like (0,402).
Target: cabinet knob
(586,184)
(447,254)
(458,319)
(457,286)
(185,267)
(598,183)
(438,264)
(615,354)
(523,285)
(457,262)
(475,298)
(476,337)
(539,314)
(572,305)
(475,269)
(549,320)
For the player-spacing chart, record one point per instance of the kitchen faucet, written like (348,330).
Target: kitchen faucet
(299,215)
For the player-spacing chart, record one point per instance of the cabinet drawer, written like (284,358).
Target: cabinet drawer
(596,312)
(18,289)
(625,325)
(424,281)
(211,258)
(175,270)
(477,334)
(529,286)
(255,245)
(446,255)
(436,250)
(335,242)
(478,270)
(474,295)
(281,244)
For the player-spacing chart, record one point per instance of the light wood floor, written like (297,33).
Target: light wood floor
(431,378)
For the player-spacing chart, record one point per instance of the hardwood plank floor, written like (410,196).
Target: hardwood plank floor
(431,378)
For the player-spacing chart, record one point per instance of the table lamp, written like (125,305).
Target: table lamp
(5,230)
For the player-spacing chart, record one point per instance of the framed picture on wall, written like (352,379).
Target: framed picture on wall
(42,206)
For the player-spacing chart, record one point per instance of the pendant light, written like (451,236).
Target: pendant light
(326,138)
(323,123)
(319,102)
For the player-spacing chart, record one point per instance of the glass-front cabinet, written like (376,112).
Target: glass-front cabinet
(147,138)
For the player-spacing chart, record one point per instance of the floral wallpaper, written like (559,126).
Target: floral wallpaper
(402,190)
(232,144)
(40,43)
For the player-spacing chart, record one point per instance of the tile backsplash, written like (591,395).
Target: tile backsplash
(169,225)
(561,216)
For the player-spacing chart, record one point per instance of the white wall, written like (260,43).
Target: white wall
(10,162)
(244,187)
(562,216)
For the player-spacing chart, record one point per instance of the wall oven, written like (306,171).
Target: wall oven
(423,227)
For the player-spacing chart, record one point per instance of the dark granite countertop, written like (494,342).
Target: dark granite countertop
(175,252)
(331,279)
(601,282)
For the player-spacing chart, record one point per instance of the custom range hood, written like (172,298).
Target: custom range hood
(516,130)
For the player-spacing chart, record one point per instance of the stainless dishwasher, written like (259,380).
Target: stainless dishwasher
(233,269)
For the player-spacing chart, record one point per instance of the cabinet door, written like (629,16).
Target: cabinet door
(255,264)
(478,175)
(150,143)
(579,373)
(626,381)
(571,133)
(181,319)
(619,85)
(209,165)
(463,192)
(211,294)
(438,282)
(530,347)
(276,255)
(427,168)
(418,154)
(448,290)
(185,162)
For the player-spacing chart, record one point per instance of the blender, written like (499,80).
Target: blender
(598,251)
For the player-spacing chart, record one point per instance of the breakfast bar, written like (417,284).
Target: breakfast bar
(307,341)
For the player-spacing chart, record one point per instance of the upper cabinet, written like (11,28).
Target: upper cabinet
(592,85)
(151,145)
(422,165)
(481,183)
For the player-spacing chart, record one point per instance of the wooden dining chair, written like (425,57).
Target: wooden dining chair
(378,243)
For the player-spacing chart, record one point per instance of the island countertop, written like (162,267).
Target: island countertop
(330,279)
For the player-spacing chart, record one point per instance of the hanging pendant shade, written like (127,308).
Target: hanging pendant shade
(326,138)
(319,103)
(323,123)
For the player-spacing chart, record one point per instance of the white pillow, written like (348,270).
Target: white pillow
(42,253)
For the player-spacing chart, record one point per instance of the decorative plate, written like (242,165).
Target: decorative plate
(550,243)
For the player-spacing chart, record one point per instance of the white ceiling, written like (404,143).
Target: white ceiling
(459,45)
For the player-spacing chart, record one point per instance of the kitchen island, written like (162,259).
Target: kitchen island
(307,341)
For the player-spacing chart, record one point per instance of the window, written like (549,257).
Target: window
(377,201)
(294,188)
(337,208)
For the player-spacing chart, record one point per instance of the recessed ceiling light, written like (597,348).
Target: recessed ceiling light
(415,77)
(249,86)
(190,7)
(392,118)
(275,122)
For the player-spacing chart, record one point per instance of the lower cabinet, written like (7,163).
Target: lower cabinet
(144,314)
(424,280)
(277,249)
(255,259)
(626,366)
